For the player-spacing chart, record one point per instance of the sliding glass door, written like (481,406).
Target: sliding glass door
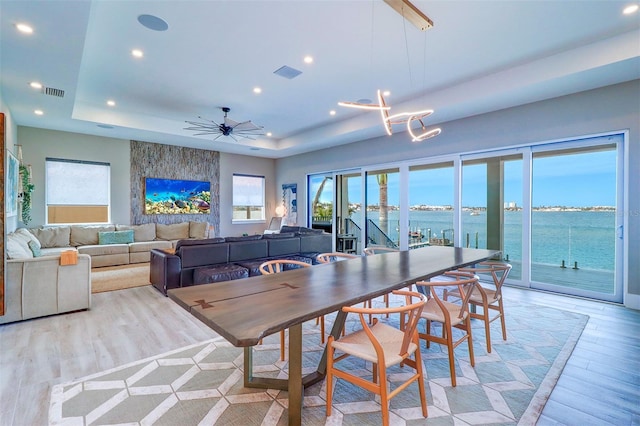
(349,212)
(321,201)
(491,213)
(431,204)
(574,234)
(552,209)
(382,222)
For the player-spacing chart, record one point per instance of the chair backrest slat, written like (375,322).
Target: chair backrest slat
(277,265)
(334,256)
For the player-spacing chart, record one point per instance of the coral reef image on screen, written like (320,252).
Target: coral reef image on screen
(171,196)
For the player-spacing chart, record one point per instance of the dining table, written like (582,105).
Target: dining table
(246,310)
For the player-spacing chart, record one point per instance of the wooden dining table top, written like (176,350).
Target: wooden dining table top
(246,310)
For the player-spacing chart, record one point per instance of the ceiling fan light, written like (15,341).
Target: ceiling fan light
(24,28)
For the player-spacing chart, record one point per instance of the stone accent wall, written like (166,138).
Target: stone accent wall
(173,162)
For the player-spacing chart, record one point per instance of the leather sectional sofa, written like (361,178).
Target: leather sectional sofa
(221,259)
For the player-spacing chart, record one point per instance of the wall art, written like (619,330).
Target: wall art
(176,196)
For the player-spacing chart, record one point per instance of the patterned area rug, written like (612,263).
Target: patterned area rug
(203,384)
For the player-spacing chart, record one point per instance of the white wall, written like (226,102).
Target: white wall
(243,164)
(38,144)
(596,111)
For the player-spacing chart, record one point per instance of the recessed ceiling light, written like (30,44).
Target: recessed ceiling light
(332,112)
(257,90)
(111,102)
(153,22)
(36,85)
(386,93)
(308,59)
(137,53)
(24,28)
(631,9)
(269,134)
(38,112)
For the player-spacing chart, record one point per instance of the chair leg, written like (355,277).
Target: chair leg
(502,320)
(384,398)
(367,304)
(423,395)
(452,365)
(329,375)
(470,342)
(282,346)
(386,302)
(487,326)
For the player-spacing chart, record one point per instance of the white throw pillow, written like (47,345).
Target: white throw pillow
(27,236)
(17,247)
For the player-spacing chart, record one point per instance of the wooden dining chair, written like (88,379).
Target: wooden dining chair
(487,296)
(449,315)
(278,265)
(335,257)
(384,346)
(372,250)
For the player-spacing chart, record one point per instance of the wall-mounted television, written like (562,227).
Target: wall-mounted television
(176,196)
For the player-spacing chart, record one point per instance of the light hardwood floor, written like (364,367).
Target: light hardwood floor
(600,384)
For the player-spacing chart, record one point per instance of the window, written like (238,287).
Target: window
(248,198)
(77,191)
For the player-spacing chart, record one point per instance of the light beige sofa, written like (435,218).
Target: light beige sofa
(41,286)
(111,245)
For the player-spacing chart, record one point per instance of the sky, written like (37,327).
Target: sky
(575,180)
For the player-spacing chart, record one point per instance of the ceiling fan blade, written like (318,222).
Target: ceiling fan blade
(231,123)
(246,125)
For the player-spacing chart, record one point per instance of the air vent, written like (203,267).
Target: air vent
(53,92)
(287,72)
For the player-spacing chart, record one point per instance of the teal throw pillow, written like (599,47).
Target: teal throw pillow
(35,249)
(115,237)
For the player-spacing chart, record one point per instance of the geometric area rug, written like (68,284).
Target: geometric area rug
(202,384)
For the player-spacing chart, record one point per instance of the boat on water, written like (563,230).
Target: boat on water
(475,213)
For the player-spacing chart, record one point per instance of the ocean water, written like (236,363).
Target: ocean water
(585,237)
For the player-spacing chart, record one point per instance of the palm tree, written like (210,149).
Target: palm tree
(316,198)
(384,211)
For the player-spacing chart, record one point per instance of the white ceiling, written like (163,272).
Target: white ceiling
(480,56)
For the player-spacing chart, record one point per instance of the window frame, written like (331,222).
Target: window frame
(105,184)
(235,193)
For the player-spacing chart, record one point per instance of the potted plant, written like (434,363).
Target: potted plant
(25,194)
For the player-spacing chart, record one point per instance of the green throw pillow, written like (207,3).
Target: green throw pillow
(115,237)
(35,248)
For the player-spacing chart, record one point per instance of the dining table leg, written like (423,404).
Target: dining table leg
(338,326)
(296,389)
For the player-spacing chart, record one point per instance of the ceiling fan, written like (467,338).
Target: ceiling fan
(228,127)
